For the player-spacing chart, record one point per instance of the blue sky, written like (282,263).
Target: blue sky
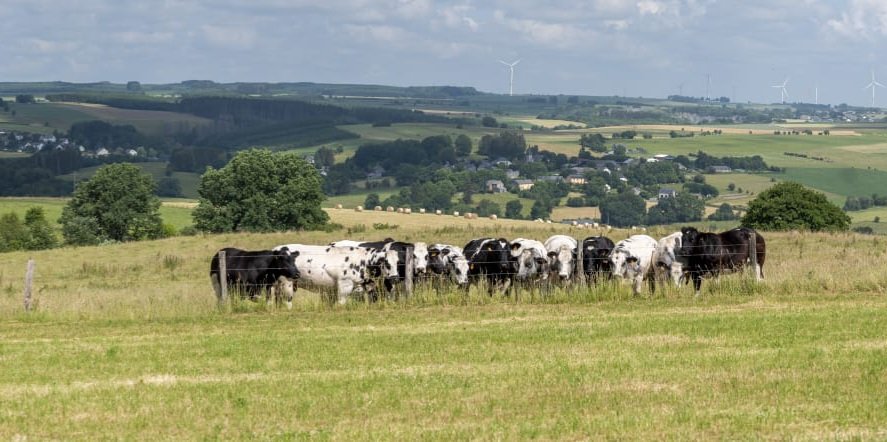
(647,48)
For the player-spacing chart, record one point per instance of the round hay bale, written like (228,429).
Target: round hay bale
(494,217)
(468,215)
(574,223)
(595,225)
(408,211)
(455,213)
(377,208)
(539,220)
(389,209)
(548,221)
(358,209)
(338,206)
(438,212)
(422,211)
(400,210)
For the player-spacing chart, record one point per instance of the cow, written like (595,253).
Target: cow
(447,260)
(711,254)
(420,256)
(345,269)
(670,264)
(256,272)
(561,256)
(596,257)
(531,258)
(633,258)
(489,258)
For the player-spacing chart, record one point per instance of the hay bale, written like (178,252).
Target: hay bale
(456,213)
(438,212)
(389,209)
(358,209)
(548,221)
(539,220)
(338,206)
(377,208)
(422,211)
(400,210)
(494,217)
(574,223)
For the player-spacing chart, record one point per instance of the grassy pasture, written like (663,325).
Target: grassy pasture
(146,121)
(129,345)
(187,180)
(176,212)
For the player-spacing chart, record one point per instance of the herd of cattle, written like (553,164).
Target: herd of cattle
(353,267)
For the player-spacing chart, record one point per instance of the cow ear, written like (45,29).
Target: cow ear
(294,253)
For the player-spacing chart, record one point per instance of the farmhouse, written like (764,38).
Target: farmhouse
(576,179)
(523,184)
(667,193)
(495,186)
(719,169)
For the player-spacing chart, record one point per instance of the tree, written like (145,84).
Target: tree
(489,121)
(789,205)
(682,208)
(623,210)
(486,208)
(118,202)
(133,86)
(324,157)
(372,200)
(169,187)
(260,191)
(514,209)
(723,213)
(541,209)
(24,98)
(13,233)
(40,234)
(463,145)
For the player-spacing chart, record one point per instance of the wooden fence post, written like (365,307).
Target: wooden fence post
(409,268)
(29,280)
(223,277)
(580,261)
(753,253)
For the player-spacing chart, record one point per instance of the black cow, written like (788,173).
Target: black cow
(256,272)
(596,257)
(710,254)
(491,259)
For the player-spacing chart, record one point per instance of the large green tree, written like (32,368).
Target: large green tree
(260,191)
(117,203)
(682,208)
(791,206)
(623,209)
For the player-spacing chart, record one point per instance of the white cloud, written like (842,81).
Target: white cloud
(862,19)
(229,37)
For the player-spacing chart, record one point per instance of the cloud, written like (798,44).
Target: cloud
(862,19)
(229,37)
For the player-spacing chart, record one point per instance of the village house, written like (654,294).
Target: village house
(667,193)
(495,186)
(719,169)
(576,179)
(523,184)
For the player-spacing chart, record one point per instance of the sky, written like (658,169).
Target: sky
(649,48)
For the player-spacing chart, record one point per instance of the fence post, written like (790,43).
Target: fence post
(753,253)
(29,280)
(409,268)
(223,277)
(580,261)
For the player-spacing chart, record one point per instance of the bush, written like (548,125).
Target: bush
(40,233)
(789,206)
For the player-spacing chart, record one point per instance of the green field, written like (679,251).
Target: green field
(47,117)
(172,211)
(187,180)
(126,343)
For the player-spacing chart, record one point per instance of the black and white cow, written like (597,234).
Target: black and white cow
(561,256)
(420,257)
(632,259)
(256,272)
(449,261)
(344,269)
(490,259)
(670,264)
(711,254)
(531,259)
(596,257)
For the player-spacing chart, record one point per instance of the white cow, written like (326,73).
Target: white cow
(633,259)
(668,260)
(448,260)
(562,255)
(420,250)
(531,258)
(345,269)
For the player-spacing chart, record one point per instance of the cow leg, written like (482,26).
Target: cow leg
(284,289)
(759,272)
(697,282)
(217,287)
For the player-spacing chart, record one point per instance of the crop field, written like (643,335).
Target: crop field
(146,121)
(126,343)
(172,211)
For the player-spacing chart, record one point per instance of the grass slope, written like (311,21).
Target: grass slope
(173,211)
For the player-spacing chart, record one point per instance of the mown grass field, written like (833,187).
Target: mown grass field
(126,343)
(175,212)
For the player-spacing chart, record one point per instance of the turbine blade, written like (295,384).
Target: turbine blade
(879,84)
(506,64)
(516,62)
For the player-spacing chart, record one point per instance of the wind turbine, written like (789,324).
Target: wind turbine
(782,91)
(872,85)
(511,77)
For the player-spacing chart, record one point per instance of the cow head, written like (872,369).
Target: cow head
(561,261)
(437,261)
(625,265)
(530,264)
(458,267)
(689,240)
(284,262)
(420,257)
(389,263)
